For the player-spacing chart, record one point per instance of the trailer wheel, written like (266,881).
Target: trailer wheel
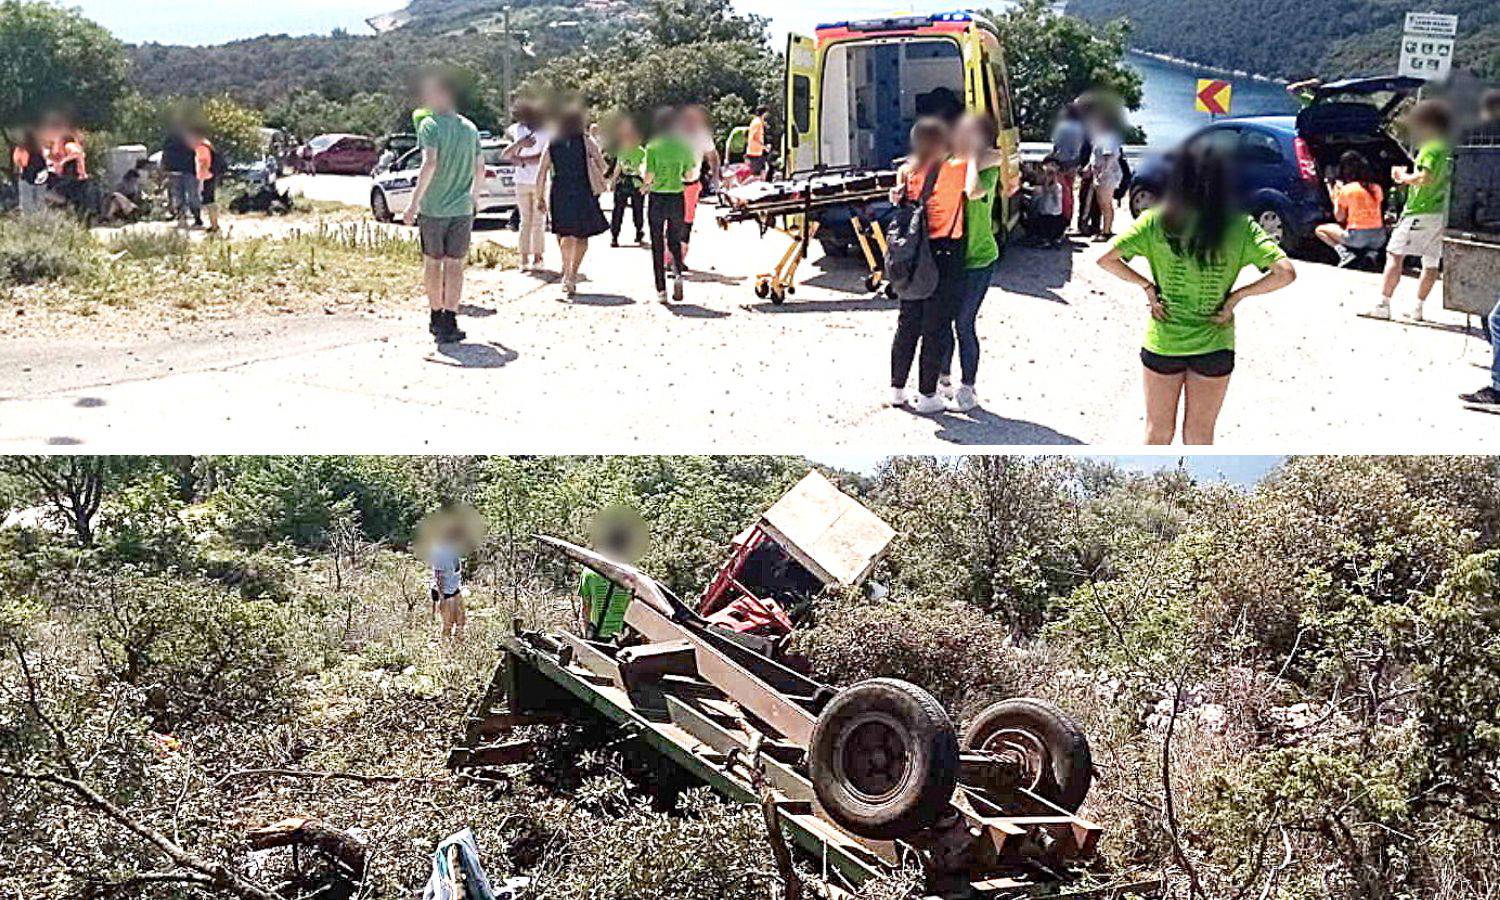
(1047,746)
(884,759)
(762,288)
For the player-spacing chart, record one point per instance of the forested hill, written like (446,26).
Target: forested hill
(1327,38)
(264,69)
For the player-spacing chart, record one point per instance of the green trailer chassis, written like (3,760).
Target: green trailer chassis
(687,722)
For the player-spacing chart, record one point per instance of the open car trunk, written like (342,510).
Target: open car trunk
(874,91)
(1356,114)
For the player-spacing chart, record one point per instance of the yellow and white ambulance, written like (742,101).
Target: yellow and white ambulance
(854,90)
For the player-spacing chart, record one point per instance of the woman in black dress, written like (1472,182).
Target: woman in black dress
(571,179)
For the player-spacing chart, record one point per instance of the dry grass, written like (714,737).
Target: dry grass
(148,276)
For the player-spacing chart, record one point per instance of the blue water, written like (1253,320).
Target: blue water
(1167,113)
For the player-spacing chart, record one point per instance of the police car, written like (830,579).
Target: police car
(391,194)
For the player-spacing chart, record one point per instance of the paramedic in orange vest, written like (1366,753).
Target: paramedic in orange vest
(928,322)
(205,159)
(755,149)
(29,165)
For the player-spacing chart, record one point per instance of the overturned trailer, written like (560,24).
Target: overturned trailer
(864,780)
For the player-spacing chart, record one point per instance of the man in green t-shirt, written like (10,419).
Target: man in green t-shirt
(669,158)
(1420,231)
(446,198)
(604,606)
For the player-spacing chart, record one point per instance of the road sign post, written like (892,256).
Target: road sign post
(1214,96)
(1427,45)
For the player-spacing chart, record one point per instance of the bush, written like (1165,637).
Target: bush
(261,500)
(961,657)
(195,649)
(708,848)
(45,247)
(144,243)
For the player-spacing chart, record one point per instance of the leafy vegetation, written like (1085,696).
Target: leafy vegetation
(1054,59)
(1291,690)
(1328,39)
(55,59)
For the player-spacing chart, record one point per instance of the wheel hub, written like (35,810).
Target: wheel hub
(1021,758)
(872,759)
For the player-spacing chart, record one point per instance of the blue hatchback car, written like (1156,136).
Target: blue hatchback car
(1283,164)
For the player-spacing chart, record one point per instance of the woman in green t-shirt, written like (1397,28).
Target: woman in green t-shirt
(1197,245)
(976,140)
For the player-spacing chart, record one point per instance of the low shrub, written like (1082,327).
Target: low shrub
(963,658)
(144,243)
(42,248)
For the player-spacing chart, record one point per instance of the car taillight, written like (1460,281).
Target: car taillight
(1306,164)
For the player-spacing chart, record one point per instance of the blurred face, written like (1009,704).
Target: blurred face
(929,146)
(695,119)
(1049,171)
(627,135)
(435,95)
(972,137)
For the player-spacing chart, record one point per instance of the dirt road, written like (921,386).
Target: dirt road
(724,372)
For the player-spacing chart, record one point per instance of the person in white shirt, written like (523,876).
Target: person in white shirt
(1108,173)
(699,135)
(447,583)
(528,141)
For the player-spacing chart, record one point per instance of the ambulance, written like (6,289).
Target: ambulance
(854,90)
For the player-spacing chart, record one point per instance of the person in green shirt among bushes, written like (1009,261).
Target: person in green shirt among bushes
(1420,231)
(1197,244)
(668,161)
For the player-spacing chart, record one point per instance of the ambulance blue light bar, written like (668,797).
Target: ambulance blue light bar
(900,23)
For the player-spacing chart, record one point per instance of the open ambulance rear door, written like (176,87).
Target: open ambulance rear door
(800,152)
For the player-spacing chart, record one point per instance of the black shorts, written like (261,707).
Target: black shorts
(757,164)
(210,192)
(1218,364)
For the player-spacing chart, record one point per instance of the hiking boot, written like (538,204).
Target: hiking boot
(1485,396)
(435,323)
(449,332)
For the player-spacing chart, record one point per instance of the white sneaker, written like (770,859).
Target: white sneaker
(946,388)
(1416,313)
(1383,311)
(926,405)
(661,296)
(898,396)
(1346,256)
(963,400)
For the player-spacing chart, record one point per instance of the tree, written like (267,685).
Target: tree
(1054,58)
(73,486)
(55,60)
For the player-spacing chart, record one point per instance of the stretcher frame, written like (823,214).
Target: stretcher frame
(797,219)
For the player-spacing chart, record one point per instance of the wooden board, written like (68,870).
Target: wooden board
(829,532)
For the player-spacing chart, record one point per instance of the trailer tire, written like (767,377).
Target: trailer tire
(1061,766)
(884,759)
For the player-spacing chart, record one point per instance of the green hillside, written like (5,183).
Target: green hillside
(261,70)
(1328,38)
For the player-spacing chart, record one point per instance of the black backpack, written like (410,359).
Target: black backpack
(909,265)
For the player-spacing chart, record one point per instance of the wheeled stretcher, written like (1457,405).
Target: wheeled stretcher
(800,207)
